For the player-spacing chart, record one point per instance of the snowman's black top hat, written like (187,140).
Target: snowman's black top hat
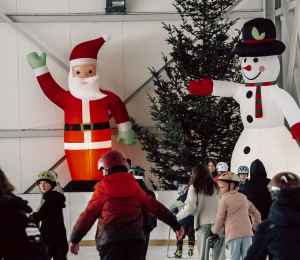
(259,39)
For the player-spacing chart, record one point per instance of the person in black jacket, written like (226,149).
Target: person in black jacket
(149,222)
(256,189)
(278,236)
(20,238)
(49,217)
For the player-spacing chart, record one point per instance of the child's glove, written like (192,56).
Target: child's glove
(214,238)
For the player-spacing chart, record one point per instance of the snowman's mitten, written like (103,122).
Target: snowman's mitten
(128,136)
(295,130)
(36,61)
(202,87)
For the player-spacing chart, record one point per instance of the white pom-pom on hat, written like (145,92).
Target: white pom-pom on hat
(106,37)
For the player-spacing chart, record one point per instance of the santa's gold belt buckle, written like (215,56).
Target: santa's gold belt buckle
(87,127)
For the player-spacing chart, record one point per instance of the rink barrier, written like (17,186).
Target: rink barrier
(76,203)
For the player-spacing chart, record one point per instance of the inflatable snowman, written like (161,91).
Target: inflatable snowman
(263,104)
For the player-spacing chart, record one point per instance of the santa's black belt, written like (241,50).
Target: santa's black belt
(86,126)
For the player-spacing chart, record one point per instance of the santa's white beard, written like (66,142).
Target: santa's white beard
(87,91)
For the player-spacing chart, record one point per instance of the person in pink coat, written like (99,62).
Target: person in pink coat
(233,213)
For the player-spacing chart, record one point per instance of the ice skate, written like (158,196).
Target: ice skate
(178,253)
(191,250)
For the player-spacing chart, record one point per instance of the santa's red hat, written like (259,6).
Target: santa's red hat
(86,52)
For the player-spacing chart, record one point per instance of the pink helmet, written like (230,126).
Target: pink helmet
(110,160)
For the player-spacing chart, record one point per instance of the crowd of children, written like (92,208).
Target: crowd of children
(217,204)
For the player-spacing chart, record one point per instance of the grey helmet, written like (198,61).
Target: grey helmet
(181,189)
(138,172)
(243,170)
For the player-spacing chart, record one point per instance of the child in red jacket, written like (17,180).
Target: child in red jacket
(117,203)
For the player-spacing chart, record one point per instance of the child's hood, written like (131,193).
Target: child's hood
(118,185)
(56,198)
(16,202)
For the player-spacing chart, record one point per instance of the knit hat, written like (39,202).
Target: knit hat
(86,52)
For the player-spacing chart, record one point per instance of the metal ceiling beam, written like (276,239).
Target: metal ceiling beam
(33,133)
(251,14)
(67,18)
(96,17)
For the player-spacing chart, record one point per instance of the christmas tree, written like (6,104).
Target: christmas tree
(193,128)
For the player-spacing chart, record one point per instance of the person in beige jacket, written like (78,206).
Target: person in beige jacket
(234,210)
(203,198)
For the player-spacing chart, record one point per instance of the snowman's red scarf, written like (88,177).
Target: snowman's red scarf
(258,103)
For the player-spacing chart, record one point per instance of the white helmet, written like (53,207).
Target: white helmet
(222,167)
(181,189)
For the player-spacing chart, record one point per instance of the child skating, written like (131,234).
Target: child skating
(187,223)
(233,213)
(117,203)
(49,217)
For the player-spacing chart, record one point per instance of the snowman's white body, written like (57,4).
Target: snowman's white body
(266,138)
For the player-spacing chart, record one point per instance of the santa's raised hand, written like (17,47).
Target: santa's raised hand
(36,61)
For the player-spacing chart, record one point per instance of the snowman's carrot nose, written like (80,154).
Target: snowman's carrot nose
(247,68)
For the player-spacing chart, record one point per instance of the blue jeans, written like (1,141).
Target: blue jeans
(238,247)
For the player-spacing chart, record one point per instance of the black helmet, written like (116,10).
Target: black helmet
(284,184)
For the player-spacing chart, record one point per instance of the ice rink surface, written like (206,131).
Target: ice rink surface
(154,253)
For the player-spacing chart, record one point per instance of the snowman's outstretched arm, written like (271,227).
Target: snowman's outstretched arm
(288,106)
(214,87)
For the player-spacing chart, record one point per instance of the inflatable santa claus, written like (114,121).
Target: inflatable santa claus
(263,104)
(87,133)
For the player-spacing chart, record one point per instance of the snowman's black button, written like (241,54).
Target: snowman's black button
(249,94)
(250,119)
(247,150)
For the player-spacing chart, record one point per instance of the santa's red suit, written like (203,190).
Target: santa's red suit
(87,132)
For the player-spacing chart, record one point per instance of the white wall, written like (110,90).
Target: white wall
(77,202)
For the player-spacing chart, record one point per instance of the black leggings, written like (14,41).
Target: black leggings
(189,231)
